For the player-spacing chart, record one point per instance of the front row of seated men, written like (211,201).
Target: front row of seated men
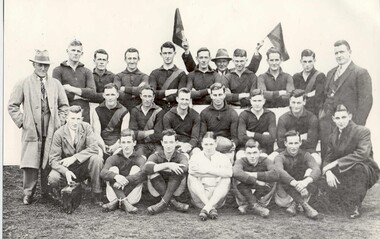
(348,170)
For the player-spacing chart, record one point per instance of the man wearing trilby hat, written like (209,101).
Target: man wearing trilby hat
(44,108)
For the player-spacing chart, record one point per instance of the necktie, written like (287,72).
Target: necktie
(338,72)
(43,89)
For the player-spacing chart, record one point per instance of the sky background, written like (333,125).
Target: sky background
(145,25)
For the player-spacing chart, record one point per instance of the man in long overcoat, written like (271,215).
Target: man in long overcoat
(44,108)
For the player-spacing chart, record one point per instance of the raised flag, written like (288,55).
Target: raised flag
(178,31)
(277,39)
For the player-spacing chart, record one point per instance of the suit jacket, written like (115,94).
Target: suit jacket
(28,93)
(353,147)
(63,146)
(354,91)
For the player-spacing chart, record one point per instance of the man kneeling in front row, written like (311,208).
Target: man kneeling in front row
(74,155)
(167,174)
(123,171)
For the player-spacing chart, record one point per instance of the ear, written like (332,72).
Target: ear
(350,116)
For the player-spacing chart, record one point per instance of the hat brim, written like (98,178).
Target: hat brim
(218,58)
(42,62)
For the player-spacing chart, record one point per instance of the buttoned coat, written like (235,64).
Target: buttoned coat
(354,91)
(28,93)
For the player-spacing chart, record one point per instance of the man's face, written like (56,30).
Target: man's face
(307,63)
(168,143)
(239,62)
(127,144)
(183,100)
(132,58)
(257,102)
(292,144)
(101,61)
(167,55)
(73,119)
(41,69)
(221,64)
(74,52)
(296,104)
(110,96)
(209,146)
(218,97)
(147,97)
(203,59)
(274,61)
(342,54)
(252,154)
(341,119)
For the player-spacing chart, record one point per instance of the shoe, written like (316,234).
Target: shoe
(178,206)
(71,197)
(299,207)
(292,209)
(157,208)
(310,212)
(27,199)
(355,213)
(262,211)
(203,215)
(213,214)
(111,206)
(97,199)
(127,207)
(243,209)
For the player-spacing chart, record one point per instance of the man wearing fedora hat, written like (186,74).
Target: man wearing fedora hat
(221,59)
(77,80)
(44,110)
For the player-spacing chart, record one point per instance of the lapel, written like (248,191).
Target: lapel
(80,137)
(341,78)
(50,93)
(68,142)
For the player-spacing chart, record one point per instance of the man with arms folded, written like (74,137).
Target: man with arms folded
(131,80)
(349,167)
(102,76)
(185,121)
(312,81)
(255,171)
(167,172)
(74,156)
(146,121)
(77,80)
(167,79)
(275,83)
(297,171)
(108,120)
(123,172)
(209,178)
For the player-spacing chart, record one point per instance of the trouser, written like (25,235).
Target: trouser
(311,188)
(352,188)
(326,126)
(166,185)
(90,169)
(132,191)
(253,193)
(147,149)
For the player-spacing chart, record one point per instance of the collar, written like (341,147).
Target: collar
(161,154)
(268,72)
(154,106)
(246,71)
(66,130)
(106,72)
(121,154)
(344,66)
(209,69)
(173,110)
(36,77)
(225,107)
(264,112)
(288,155)
(174,68)
(118,105)
(304,112)
(348,127)
(137,71)
(80,64)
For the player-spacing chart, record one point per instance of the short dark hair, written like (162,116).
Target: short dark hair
(297,93)
(209,135)
(111,85)
(168,44)
(341,108)
(255,92)
(342,42)
(147,87)
(273,50)
(307,52)
(128,132)
(183,90)
(100,51)
(203,49)
(75,109)
(131,49)
(251,143)
(169,132)
(240,53)
(217,86)
(291,133)
(75,42)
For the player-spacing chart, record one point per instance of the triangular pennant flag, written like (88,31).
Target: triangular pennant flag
(277,39)
(178,31)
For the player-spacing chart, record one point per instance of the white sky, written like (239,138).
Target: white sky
(118,25)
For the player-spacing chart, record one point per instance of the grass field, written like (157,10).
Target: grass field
(44,220)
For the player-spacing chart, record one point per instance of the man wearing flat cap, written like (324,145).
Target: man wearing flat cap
(44,110)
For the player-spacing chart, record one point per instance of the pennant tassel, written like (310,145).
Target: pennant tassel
(277,39)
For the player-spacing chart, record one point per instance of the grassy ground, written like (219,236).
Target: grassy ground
(44,220)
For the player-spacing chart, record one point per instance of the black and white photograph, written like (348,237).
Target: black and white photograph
(190,119)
